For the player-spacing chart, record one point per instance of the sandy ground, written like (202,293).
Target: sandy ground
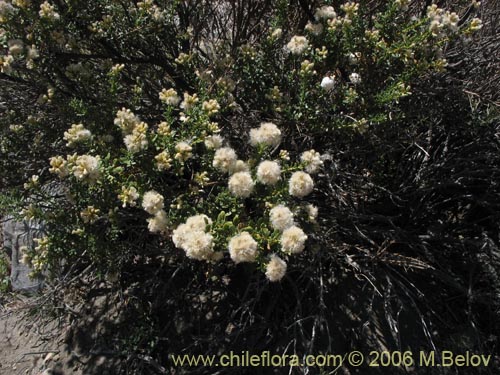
(22,349)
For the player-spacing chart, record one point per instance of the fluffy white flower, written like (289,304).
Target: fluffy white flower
(241,184)
(314,28)
(169,97)
(275,269)
(76,134)
(281,217)
(183,150)
(189,101)
(293,240)
(312,161)
(300,184)
(158,223)
(86,168)
(59,166)
(242,248)
(267,134)
(163,161)
(355,78)
(128,196)
(328,83)
(239,166)
(198,245)
(297,45)
(137,140)
(152,202)
(214,141)
(224,159)
(268,172)
(211,107)
(198,222)
(126,120)
(47,11)
(180,234)
(325,12)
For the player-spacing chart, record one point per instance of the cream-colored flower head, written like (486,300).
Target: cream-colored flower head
(163,161)
(169,97)
(239,166)
(76,134)
(314,28)
(158,223)
(242,248)
(183,151)
(267,134)
(325,12)
(297,45)
(300,184)
(152,202)
(128,196)
(180,234)
(275,269)
(86,168)
(214,142)
(189,101)
(47,11)
(211,107)
(241,184)
(224,159)
(59,166)
(293,240)
(198,222)
(268,172)
(126,120)
(328,83)
(137,140)
(199,245)
(281,217)
(312,161)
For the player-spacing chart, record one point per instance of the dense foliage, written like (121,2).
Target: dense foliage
(174,149)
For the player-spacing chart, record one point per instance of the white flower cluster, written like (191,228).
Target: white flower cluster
(268,172)
(47,11)
(276,268)
(134,131)
(137,140)
(193,238)
(300,185)
(243,248)
(297,45)
(442,22)
(267,134)
(126,120)
(324,13)
(76,134)
(328,83)
(312,161)
(128,196)
(170,97)
(86,168)
(241,184)
(153,203)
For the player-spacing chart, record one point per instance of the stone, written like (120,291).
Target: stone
(16,235)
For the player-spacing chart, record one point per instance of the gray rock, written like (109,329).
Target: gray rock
(15,236)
